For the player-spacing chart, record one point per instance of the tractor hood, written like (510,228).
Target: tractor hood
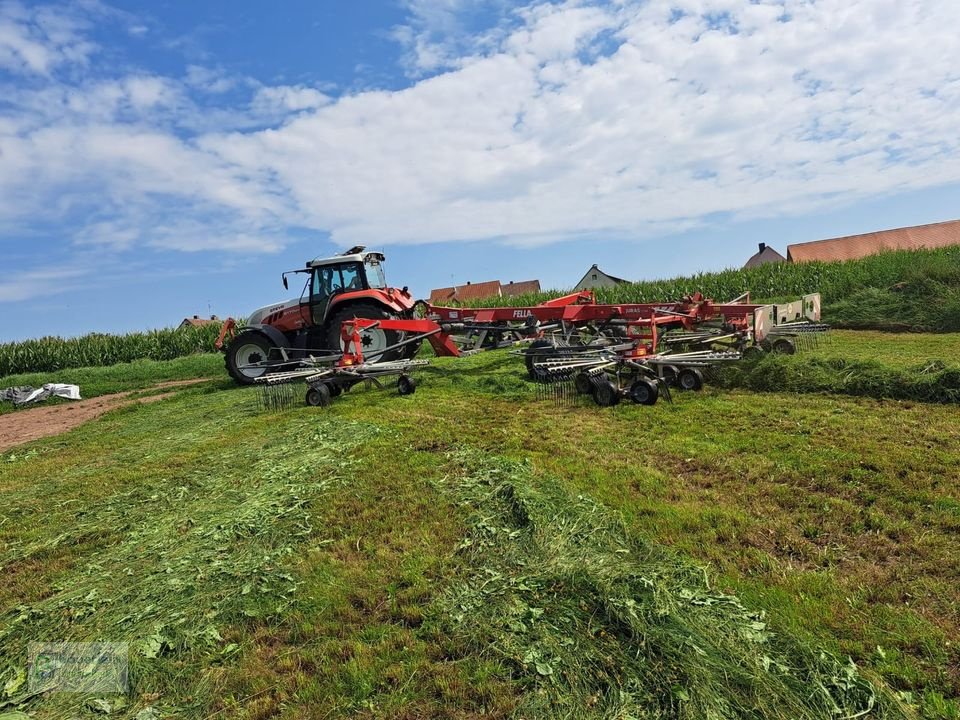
(258,315)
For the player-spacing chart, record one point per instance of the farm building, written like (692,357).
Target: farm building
(597,278)
(764,255)
(481,290)
(851,247)
(197,321)
(521,287)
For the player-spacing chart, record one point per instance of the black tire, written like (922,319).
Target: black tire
(532,357)
(583,383)
(335,388)
(406,385)
(690,379)
(246,348)
(367,311)
(606,393)
(669,374)
(784,347)
(644,392)
(753,352)
(318,395)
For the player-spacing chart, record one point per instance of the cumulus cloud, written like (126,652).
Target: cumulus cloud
(556,121)
(38,40)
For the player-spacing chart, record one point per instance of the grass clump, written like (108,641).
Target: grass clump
(172,564)
(595,623)
(932,381)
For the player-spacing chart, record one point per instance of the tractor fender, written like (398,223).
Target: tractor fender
(273,335)
(390,301)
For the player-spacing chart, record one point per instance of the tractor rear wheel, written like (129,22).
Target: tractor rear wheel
(372,341)
(249,355)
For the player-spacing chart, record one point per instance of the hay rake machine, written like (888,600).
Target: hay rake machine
(572,346)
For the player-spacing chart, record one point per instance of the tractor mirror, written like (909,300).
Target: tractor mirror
(286,285)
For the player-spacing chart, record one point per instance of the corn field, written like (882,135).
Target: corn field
(49,354)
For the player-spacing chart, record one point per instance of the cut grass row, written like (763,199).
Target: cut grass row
(835,516)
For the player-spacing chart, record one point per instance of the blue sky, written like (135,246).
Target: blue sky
(165,159)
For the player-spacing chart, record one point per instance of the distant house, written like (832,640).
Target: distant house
(764,255)
(521,287)
(482,290)
(597,278)
(197,321)
(935,235)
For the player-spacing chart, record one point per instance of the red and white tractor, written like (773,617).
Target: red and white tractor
(343,287)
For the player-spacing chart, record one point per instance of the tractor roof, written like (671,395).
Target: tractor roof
(354,254)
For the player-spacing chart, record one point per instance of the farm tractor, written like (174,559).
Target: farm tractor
(337,289)
(348,328)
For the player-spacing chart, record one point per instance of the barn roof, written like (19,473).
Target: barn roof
(935,235)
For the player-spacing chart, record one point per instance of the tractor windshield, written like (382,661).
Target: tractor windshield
(375,277)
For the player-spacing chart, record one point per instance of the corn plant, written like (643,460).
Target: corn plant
(49,354)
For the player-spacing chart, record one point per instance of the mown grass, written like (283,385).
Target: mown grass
(897,366)
(837,517)
(915,291)
(137,375)
(896,350)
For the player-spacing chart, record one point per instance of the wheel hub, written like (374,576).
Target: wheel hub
(248,357)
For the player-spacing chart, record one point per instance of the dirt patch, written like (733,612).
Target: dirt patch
(26,425)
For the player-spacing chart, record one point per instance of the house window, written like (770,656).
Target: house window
(594,276)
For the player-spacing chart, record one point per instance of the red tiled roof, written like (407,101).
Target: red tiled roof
(935,235)
(512,289)
(441,294)
(464,293)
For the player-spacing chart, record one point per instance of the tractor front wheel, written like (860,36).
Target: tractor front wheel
(249,356)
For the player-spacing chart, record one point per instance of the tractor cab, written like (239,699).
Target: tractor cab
(353,271)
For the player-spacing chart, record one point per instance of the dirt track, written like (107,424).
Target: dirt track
(34,423)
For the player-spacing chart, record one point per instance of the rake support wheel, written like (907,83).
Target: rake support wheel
(583,383)
(784,347)
(406,385)
(319,395)
(690,379)
(606,393)
(644,392)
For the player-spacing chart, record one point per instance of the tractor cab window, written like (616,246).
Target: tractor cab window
(352,277)
(326,281)
(375,277)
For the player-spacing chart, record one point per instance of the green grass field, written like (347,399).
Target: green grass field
(473,551)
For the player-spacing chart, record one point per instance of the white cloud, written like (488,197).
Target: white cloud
(566,120)
(287,99)
(38,283)
(38,40)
